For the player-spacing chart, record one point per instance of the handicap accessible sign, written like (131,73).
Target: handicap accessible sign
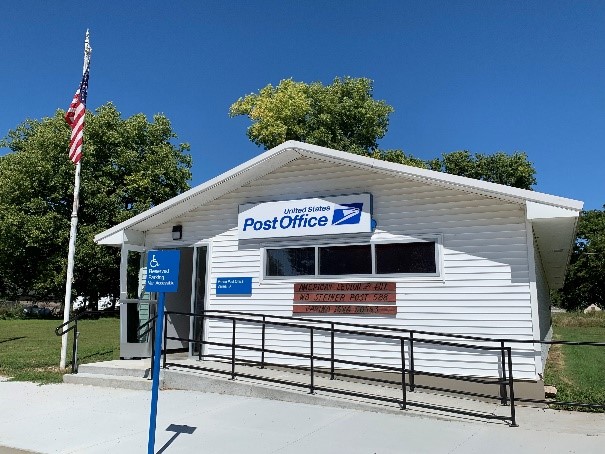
(162,271)
(162,277)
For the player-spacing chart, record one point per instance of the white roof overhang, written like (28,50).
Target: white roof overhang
(554,230)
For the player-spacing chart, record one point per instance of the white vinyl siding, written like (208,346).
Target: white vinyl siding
(483,289)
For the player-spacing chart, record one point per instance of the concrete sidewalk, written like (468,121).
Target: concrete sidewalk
(67,418)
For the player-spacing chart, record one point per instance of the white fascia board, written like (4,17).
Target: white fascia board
(541,211)
(113,239)
(440,178)
(133,237)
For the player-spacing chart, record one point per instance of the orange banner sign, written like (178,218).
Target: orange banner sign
(345,298)
(345,287)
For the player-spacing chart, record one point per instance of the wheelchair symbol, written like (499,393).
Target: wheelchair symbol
(153,263)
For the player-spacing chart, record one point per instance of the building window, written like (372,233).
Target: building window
(339,260)
(418,258)
(291,262)
(413,258)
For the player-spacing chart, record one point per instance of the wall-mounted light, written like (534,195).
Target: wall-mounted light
(177,232)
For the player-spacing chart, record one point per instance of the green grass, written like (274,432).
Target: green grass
(578,372)
(30,350)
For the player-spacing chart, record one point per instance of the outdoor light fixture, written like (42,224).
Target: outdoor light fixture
(177,232)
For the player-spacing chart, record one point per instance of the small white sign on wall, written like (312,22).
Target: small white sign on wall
(303,217)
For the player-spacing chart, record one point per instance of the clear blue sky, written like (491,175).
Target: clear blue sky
(478,75)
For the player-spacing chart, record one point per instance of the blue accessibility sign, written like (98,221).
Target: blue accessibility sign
(162,277)
(162,271)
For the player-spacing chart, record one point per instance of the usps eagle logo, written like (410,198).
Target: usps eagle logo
(347,213)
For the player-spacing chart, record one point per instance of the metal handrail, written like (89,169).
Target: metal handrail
(411,333)
(149,323)
(153,322)
(506,381)
(405,330)
(72,325)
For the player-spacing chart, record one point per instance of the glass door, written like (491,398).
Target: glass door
(136,307)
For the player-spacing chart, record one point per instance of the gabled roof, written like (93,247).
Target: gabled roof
(281,155)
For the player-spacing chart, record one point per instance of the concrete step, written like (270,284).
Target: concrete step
(108,380)
(139,369)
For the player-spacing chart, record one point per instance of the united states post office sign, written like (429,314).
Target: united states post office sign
(304,217)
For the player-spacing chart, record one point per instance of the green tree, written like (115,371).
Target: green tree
(345,116)
(512,170)
(584,282)
(128,166)
(342,115)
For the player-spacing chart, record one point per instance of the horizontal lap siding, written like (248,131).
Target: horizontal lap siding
(484,290)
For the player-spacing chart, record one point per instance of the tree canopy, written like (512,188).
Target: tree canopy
(584,282)
(512,170)
(128,166)
(342,115)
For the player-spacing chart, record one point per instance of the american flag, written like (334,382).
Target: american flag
(75,118)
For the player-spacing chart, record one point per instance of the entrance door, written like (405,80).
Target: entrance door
(179,303)
(136,306)
(199,298)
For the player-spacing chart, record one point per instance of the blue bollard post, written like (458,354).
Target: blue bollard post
(162,276)
(156,375)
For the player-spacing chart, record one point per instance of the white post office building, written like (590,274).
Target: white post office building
(307,231)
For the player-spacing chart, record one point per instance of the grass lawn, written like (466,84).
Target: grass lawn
(578,372)
(30,350)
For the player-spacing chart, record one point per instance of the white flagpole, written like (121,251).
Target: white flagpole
(72,233)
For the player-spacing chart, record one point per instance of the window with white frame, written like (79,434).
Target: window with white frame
(406,258)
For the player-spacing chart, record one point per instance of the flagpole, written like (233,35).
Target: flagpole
(73,230)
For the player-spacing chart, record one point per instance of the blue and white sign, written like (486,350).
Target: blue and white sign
(162,271)
(304,217)
(162,277)
(234,286)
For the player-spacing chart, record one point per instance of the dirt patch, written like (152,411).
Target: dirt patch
(556,360)
(47,369)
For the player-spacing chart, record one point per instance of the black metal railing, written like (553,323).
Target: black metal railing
(407,371)
(561,403)
(72,325)
(413,372)
(149,328)
(391,335)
